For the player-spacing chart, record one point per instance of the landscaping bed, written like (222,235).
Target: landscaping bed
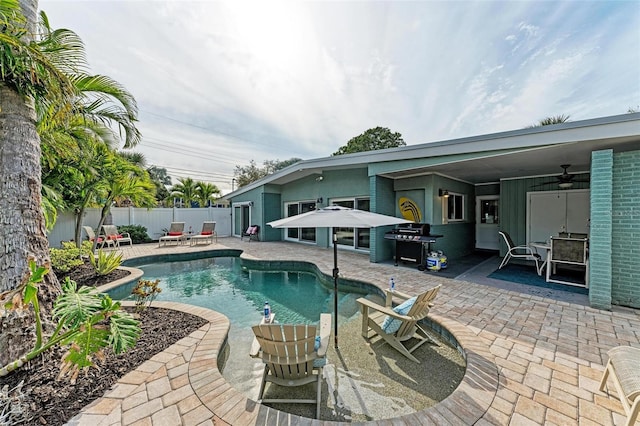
(48,401)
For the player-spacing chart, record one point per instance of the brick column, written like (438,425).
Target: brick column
(601,228)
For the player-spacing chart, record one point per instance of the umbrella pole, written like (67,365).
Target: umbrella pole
(335,289)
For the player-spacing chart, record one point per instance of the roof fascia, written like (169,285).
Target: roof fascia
(624,125)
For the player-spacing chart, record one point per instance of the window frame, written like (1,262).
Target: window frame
(297,234)
(451,201)
(358,233)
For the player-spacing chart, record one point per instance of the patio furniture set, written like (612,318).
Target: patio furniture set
(566,249)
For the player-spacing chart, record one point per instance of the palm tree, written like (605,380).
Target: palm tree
(42,80)
(186,190)
(552,120)
(123,180)
(206,192)
(26,73)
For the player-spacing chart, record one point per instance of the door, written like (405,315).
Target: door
(487,218)
(241,218)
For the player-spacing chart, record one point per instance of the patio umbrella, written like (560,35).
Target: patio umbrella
(336,217)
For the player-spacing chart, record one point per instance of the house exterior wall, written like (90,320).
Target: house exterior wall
(338,184)
(625,230)
(458,238)
(383,201)
(256,213)
(271,207)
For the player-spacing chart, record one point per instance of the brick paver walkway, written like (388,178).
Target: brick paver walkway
(531,360)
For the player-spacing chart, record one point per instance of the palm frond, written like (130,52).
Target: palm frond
(75,306)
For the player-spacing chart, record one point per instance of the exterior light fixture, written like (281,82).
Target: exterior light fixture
(443,193)
(319,200)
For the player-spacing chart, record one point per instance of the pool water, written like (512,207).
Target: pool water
(221,284)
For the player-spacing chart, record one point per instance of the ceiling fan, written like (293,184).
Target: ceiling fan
(565,180)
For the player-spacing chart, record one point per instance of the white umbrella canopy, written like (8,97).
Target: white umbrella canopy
(336,217)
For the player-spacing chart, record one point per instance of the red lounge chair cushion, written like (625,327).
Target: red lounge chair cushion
(206,233)
(174,234)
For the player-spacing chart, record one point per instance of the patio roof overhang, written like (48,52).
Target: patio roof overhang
(529,162)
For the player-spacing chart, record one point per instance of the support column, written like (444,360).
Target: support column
(600,252)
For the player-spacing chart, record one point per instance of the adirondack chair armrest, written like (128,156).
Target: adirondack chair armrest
(325,334)
(398,294)
(366,304)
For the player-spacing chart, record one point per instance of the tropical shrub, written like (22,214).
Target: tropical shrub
(87,322)
(105,263)
(138,233)
(69,256)
(145,292)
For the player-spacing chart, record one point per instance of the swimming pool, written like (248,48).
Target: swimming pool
(363,380)
(223,285)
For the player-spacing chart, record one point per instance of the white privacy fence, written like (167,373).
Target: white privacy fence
(155,220)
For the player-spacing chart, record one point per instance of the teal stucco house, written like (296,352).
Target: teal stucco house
(576,177)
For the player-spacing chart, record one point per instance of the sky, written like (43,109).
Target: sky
(221,83)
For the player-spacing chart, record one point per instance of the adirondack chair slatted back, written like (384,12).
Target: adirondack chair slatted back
(287,349)
(418,311)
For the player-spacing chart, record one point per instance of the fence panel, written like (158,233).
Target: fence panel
(155,220)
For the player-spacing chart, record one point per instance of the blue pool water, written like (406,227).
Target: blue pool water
(222,285)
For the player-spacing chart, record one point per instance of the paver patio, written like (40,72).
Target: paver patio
(535,360)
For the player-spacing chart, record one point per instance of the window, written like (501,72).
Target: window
(453,208)
(300,234)
(357,238)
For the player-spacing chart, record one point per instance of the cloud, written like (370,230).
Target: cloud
(231,81)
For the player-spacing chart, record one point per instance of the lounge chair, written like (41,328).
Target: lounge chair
(293,356)
(207,234)
(624,369)
(520,252)
(175,233)
(398,325)
(102,240)
(253,232)
(111,233)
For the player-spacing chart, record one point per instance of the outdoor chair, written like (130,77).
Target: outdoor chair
(206,235)
(175,233)
(624,369)
(570,252)
(520,252)
(111,234)
(398,325)
(293,356)
(101,239)
(252,232)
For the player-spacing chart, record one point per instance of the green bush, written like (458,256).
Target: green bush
(138,233)
(105,263)
(69,256)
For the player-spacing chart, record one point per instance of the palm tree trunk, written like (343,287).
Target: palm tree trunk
(22,224)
